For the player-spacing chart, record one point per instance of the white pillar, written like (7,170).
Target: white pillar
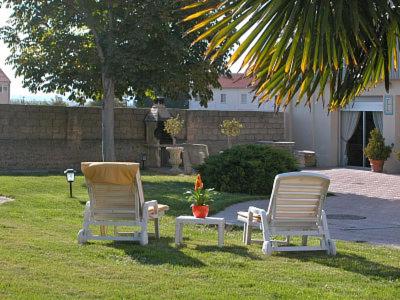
(391,133)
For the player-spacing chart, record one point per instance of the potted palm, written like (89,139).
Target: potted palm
(376,151)
(173,127)
(200,199)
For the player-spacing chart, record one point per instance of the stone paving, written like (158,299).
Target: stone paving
(365,206)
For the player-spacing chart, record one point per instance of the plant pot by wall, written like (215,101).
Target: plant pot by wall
(376,165)
(200,211)
(175,157)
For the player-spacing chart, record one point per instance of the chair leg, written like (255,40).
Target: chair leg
(103,230)
(144,236)
(157,228)
(244,232)
(304,240)
(249,230)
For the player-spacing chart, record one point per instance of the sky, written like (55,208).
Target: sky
(17,91)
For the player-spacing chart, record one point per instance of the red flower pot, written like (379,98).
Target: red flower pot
(376,165)
(200,211)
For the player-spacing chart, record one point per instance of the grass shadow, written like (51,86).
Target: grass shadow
(236,250)
(350,263)
(157,252)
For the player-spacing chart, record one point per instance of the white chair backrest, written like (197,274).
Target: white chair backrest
(298,197)
(115,190)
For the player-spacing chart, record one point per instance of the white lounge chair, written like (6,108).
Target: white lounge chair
(295,209)
(117,199)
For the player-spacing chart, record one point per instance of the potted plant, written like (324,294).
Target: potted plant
(231,128)
(376,150)
(200,199)
(173,127)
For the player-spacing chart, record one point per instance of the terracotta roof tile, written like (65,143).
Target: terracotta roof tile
(236,82)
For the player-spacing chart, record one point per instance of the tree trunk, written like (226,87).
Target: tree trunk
(108,149)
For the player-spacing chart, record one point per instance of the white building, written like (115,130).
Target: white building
(338,138)
(234,94)
(4,88)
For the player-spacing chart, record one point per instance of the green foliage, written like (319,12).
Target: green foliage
(72,46)
(246,169)
(231,127)
(174,126)
(297,48)
(376,148)
(170,103)
(200,196)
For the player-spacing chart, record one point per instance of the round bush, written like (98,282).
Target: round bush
(247,169)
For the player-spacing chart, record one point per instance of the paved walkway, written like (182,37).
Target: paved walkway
(365,208)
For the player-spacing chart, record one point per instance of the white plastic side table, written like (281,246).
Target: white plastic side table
(181,220)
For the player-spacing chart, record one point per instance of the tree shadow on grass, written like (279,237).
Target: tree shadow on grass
(349,262)
(157,252)
(236,250)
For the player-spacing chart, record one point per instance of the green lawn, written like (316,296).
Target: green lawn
(40,258)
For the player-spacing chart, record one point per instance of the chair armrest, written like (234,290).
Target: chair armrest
(257,211)
(147,205)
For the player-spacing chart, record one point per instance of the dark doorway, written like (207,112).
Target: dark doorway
(359,140)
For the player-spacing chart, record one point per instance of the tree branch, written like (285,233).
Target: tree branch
(91,24)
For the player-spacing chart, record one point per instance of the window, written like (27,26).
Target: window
(1,89)
(223,98)
(5,89)
(243,98)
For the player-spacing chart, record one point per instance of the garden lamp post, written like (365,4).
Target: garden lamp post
(70,175)
(144,158)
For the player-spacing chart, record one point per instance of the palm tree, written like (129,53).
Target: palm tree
(298,48)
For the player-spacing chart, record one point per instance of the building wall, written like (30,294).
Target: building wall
(319,131)
(203,127)
(56,138)
(312,128)
(4,93)
(233,101)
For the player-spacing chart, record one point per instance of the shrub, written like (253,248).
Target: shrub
(173,127)
(247,169)
(376,148)
(231,128)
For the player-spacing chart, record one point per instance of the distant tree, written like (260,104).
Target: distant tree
(117,103)
(58,101)
(170,103)
(102,50)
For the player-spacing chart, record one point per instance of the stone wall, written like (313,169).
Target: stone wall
(55,138)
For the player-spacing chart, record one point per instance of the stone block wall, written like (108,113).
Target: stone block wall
(203,127)
(38,138)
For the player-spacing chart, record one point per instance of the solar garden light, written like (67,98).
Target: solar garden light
(70,174)
(144,158)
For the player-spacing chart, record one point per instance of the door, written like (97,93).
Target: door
(357,121)
(359,140)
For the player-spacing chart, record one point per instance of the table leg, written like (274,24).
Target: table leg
(221,227)
(178,233)
(181,233)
